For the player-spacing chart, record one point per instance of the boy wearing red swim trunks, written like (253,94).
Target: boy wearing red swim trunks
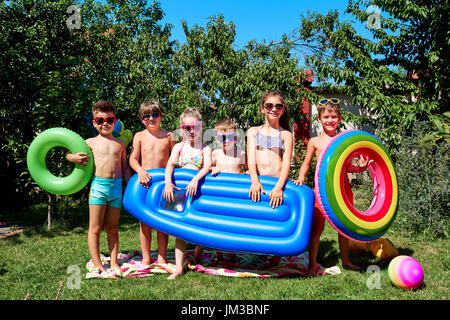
(329,118)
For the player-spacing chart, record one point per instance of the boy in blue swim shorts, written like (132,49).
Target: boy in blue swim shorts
(105,198)
(106,191)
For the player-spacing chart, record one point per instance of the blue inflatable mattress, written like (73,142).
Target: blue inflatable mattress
(222,216)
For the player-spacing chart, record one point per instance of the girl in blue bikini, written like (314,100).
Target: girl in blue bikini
(190,153)
(269,149)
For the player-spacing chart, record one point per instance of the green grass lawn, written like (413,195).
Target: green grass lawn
(36,261)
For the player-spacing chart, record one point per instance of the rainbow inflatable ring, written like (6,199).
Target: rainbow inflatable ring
(329,186)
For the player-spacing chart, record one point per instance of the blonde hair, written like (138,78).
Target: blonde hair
(330,107)
(148,107)
(225,124)
(190,112)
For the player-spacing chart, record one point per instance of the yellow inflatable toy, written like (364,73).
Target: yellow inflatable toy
(381,248)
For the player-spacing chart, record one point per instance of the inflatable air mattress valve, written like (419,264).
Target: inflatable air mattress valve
(222,216)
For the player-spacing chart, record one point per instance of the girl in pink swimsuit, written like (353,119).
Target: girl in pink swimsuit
(190,153)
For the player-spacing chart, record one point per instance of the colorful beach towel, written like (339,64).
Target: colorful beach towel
(245,265)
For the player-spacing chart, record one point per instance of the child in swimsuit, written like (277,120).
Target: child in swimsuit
(269,149)
(190,153)
(228,158)
(329,118)
(151,150)
(105,197)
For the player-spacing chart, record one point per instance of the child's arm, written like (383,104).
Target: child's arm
(362,165)
(171,164)
(214,169)
(172,141)
(135,156)
(310,150)
(244,161)
(191,188)
(126,172)
(256,187)
(276,195)
(80,158)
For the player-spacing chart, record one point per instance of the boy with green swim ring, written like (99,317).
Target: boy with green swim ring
(105,198)
(329,117)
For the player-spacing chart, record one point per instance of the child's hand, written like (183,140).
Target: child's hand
(191,188)
(144,178)
(168,192)
(80,158)
(276,197)
(255,191)
(363,163)
(214,171)
(300,180)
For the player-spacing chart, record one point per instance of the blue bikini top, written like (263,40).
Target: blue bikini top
(269,142)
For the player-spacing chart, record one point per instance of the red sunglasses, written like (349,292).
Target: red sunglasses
(100,120)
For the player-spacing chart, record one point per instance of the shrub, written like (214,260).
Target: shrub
(423,175)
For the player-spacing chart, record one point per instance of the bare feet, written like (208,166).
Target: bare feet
(350,266)
(162,260)
(313,271)
(175,274)
(115,266)
(146,262)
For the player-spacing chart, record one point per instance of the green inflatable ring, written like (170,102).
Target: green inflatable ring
(37,153)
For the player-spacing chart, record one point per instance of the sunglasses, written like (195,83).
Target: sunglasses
(147,117)
(221,138)
(101,120)
(189,127)
(332,100)
(269,106)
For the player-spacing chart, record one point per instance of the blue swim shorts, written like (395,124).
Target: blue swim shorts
(106,191)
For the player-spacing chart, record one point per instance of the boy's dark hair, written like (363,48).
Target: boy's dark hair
(284,119)
(103,106)
(148,107)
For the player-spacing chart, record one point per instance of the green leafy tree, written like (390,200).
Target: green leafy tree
(224,81)
(53,70)
(409,38)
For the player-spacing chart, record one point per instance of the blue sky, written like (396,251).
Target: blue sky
(254,20)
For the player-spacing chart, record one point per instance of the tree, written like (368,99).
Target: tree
(412,40)
(223,81)
(52,72)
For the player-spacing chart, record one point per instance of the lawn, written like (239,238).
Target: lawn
(36,261)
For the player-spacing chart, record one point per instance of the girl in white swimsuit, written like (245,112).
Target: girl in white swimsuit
(269,149)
